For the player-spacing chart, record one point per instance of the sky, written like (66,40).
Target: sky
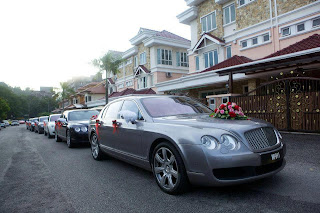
(44,42)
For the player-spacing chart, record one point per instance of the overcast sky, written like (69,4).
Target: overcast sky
(45,42)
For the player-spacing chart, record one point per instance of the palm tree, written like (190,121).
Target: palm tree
(110,62)
(66,92)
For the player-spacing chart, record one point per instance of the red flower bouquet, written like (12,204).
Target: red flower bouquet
(229,111)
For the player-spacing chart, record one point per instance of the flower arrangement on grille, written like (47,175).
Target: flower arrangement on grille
(229,111)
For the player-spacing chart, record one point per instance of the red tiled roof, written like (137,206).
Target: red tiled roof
(144,68)
(305,44)
(87,86)
(129,91)
(145,91)
(99,89)
(167,34)
(110,80)
(234,60)
(212,36)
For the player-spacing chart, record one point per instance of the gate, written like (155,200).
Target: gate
(291,104)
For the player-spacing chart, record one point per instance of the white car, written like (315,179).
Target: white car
(49,125)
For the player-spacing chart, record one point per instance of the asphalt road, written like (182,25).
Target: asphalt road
(39,175)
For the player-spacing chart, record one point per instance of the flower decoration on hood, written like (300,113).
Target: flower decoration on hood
(229,111)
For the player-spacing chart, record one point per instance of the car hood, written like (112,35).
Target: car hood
(204,121)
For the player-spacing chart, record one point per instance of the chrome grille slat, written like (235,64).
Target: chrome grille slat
(261,138)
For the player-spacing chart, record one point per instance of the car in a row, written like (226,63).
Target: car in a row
(70,126)
(177,139)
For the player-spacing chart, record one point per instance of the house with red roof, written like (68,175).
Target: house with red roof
(155,56)
(263,54)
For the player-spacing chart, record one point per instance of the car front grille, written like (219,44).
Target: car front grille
(261,138)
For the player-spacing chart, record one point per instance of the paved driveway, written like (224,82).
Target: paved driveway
(37,174)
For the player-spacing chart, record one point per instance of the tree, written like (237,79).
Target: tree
(4,109)
(110,62)
(66,92)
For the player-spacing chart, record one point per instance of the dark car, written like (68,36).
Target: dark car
(32,124)
(176,138)
(39,124)
(72,126)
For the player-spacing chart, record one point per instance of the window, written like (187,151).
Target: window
(143,58)
(210,58)
(82,115)
(120,86)
(129,61)
(205,94)
(300,27)
(244,2)
(286,31)
(182,59)
(228,52)
(135,61)
(169,106)
(266,37)
(129,83)
(132,106)
(244,44)
(208,22)
(229,14)
(88,98)
(255,41)
(142,83)
(112,111)
(245,89)
(164,56)
(197,63)
(316,22)
(225,100)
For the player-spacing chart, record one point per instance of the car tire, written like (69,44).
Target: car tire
(58,139)
(169,170)
(70,144)
(48,134)
(96,152)
(45,133)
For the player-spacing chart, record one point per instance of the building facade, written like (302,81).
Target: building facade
(238,45)
(156,56)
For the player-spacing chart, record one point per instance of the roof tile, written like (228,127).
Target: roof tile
(305,44)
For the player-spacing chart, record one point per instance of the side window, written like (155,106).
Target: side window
(112,111)
(132,106)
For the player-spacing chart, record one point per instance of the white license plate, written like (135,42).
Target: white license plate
(275,156)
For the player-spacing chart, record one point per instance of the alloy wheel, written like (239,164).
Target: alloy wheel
(94,146)
(166,168)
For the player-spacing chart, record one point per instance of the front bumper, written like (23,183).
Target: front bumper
(210,169)
(79,137)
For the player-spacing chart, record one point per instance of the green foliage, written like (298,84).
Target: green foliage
(4,109)
(44,114)
(25,103)
(110,62)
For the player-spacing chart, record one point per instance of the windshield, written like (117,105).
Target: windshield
(43,119)
(14,121)
(82,115)
(168,106)
(54,117)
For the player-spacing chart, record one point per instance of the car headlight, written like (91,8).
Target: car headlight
(84,129)
(209,142)
(77,129)
(229,142)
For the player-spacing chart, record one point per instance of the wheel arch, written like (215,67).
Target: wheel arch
(170,141)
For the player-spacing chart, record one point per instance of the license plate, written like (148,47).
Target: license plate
(271,157)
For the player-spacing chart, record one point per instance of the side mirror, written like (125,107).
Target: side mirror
(129,116)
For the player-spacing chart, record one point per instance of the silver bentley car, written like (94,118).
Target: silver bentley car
(176,139)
